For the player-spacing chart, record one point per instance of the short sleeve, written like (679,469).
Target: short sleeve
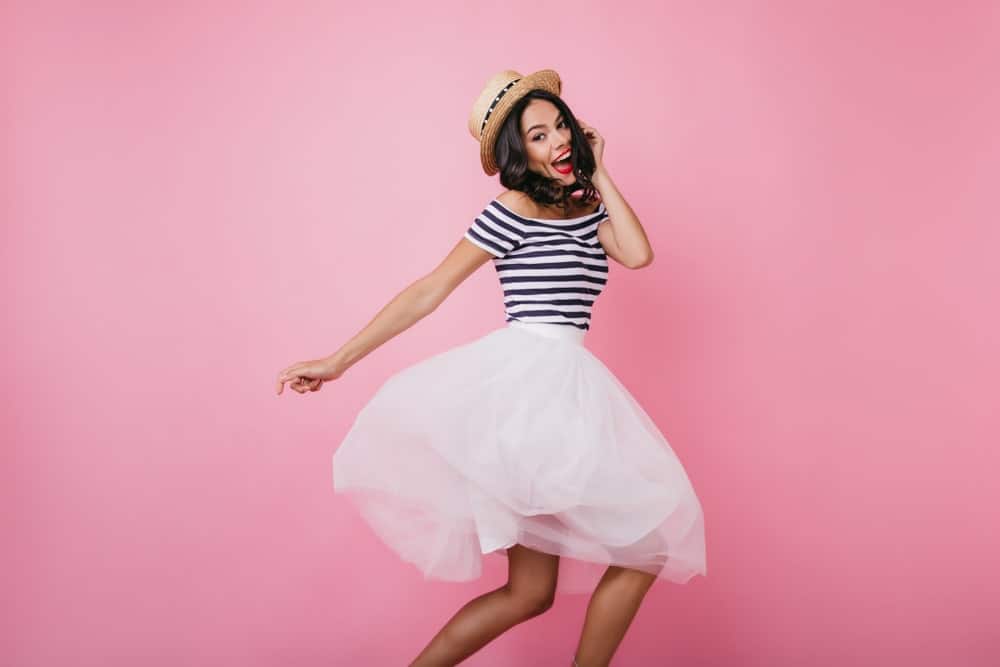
(603,213)
(495,231)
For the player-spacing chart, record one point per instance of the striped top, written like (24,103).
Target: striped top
(550,270)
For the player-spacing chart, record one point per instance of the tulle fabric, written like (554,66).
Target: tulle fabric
(521,436)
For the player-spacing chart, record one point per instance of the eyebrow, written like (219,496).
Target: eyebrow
(528,131)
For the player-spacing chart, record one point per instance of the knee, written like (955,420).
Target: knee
(536,606)
(532,602)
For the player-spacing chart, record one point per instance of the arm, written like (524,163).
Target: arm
(623,237)
(416,301)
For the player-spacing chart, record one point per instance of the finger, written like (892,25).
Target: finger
(291,371)
(286,376)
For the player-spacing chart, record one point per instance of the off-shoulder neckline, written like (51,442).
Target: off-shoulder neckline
(581,217)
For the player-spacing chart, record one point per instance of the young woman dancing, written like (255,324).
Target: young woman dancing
(522,443)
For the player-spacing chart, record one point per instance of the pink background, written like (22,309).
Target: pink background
(195,198)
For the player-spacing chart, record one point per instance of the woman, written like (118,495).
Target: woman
(522,443)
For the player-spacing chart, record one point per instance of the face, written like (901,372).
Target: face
(547,137)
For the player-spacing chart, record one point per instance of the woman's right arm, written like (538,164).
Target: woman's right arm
(414,303)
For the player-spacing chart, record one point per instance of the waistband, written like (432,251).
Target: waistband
(549,330)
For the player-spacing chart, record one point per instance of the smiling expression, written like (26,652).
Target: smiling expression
(547,137)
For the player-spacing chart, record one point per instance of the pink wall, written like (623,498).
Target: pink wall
(196,198)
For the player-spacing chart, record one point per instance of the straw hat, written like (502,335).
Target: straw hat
(495,102)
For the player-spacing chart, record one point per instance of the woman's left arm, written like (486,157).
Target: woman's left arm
(623,237)
(623,231)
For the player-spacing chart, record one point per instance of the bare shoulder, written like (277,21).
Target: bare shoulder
(511,196)
(518,202)
(525,206)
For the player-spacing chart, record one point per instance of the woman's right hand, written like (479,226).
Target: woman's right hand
(309,375)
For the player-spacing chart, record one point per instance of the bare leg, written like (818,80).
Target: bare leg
(529,591)
(612,607)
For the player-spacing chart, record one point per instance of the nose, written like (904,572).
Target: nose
(559,144)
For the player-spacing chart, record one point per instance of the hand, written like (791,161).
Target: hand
(309,375)
(596,142)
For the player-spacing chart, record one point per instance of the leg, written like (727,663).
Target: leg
(529,591)
(612,607)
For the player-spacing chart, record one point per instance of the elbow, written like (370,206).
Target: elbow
(643,261)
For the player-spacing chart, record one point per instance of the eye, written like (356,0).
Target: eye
(542,134)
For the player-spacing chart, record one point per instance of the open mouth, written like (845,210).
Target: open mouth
(564,165)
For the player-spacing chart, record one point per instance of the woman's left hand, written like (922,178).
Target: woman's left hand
(596,142)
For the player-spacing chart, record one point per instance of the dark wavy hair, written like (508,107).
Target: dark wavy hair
(512,158)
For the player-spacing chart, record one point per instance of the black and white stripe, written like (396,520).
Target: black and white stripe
(550,270)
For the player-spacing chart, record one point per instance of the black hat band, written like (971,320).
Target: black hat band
(494,103)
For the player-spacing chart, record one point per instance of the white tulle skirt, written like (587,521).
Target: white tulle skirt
(521,436)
